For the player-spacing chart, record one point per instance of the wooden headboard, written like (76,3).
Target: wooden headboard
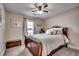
(64,29)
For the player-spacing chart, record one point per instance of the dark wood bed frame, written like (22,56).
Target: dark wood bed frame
(37,51)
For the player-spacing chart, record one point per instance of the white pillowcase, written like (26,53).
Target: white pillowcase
(54,31)
(49,31)
(58,31)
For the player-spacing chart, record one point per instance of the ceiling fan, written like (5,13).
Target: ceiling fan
(40,8)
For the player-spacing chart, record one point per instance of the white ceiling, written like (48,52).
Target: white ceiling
(26,9)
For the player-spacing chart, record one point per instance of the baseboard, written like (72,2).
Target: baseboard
(72,46)
(4,51)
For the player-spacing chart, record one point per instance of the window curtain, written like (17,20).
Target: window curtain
(25,26)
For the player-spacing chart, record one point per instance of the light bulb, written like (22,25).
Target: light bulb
(39,12)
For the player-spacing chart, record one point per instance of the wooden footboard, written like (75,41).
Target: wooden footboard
(35,48)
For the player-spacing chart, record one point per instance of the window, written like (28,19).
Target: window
(30,27)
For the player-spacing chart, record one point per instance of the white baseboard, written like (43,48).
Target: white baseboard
(4,51)
(72,46)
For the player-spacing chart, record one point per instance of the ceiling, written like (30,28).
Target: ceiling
(26,9)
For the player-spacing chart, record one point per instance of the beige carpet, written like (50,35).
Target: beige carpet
(67,52)
(22,51)
(17,51)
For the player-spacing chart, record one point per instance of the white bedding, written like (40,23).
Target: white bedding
(49,42)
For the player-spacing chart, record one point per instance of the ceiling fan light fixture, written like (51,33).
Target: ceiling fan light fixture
(40,12)
(40,8)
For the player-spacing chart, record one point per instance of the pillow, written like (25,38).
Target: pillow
(47,31)
(51,31)
(58,31)
(54,31)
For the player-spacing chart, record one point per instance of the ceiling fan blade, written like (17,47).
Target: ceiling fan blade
(34,10)
(45,5)
(34,14)
(35,4)
(45,11)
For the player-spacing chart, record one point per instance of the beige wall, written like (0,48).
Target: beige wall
(67,19)
(13,31)
(37,23)
(2,30)
(16,33)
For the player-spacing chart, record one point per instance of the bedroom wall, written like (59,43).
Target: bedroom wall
(67,19)
(38,25)
(14,24)
(16,33)
(2,30)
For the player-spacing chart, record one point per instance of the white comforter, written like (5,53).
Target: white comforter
(49,42)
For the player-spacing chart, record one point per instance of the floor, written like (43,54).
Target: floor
(67,52)
(17,51)
(22,51)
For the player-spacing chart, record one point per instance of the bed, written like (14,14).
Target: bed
(50,42)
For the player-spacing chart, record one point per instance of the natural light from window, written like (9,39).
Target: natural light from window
(30,27)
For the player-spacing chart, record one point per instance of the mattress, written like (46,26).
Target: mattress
(50,42)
